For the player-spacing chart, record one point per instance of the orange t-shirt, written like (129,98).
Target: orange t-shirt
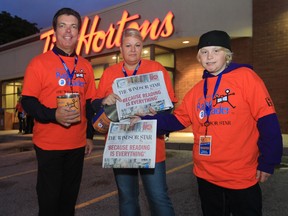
(239,102)
(46,78)
(146,66)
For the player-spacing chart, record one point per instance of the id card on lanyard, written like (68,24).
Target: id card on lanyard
(205,145)
(205,142)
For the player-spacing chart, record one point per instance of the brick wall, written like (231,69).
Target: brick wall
(270,52)
(267,51)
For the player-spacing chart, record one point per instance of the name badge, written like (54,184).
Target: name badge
(205,145)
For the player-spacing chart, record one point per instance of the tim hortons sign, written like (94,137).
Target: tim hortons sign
(96,40)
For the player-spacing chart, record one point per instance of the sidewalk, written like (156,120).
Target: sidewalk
(177,140)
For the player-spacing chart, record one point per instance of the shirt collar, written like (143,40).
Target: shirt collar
(62,53)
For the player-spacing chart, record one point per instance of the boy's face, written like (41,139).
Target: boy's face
(213,59)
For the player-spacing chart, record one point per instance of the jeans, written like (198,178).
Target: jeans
(154,182)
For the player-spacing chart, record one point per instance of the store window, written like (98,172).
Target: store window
(11,91)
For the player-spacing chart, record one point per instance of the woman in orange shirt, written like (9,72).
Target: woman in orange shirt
(154,180)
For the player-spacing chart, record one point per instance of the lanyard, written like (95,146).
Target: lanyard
(208,107)
(135,71)
(70,74)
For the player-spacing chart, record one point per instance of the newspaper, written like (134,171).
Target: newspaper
(130,147)
(140,92)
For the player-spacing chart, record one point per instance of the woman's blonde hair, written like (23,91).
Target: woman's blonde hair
(131,32)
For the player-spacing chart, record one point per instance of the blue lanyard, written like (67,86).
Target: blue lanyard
(135,71)
(70,74)
(208,107)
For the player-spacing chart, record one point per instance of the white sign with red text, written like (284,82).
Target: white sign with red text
(130,147)
(140,92)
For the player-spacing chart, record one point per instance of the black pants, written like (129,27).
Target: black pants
(58,180)
(219,201)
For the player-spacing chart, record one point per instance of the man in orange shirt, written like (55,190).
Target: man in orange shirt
(60,139)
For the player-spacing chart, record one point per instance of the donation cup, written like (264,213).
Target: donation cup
(70,100)
(102,119)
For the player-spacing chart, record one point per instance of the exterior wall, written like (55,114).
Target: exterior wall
(14,61)
(270,52)
(267,50)
(192,18)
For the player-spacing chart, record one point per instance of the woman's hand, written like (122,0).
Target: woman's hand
(111,99)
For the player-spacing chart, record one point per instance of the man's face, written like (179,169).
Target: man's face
(67,33)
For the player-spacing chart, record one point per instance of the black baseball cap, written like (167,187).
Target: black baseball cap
(215,38)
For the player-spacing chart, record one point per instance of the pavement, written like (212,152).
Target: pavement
(98,192)
(176,141)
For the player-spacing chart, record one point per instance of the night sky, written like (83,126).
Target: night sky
(41,12)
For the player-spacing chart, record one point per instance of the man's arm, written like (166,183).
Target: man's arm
(40,112)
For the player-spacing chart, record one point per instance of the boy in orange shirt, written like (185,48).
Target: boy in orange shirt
(237,137)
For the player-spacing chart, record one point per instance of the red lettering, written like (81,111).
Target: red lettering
(97,40)
(49,38)
(153,76)
(82,38)
(110,42)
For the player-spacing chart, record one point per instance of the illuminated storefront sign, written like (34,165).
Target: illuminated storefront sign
(96,40)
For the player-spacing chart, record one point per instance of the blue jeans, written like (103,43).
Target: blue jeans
(154,182)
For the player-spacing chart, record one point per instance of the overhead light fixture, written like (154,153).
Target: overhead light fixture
(145,52)
(114,57)
(185,42)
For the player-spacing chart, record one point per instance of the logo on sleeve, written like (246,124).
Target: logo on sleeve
(269,101)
